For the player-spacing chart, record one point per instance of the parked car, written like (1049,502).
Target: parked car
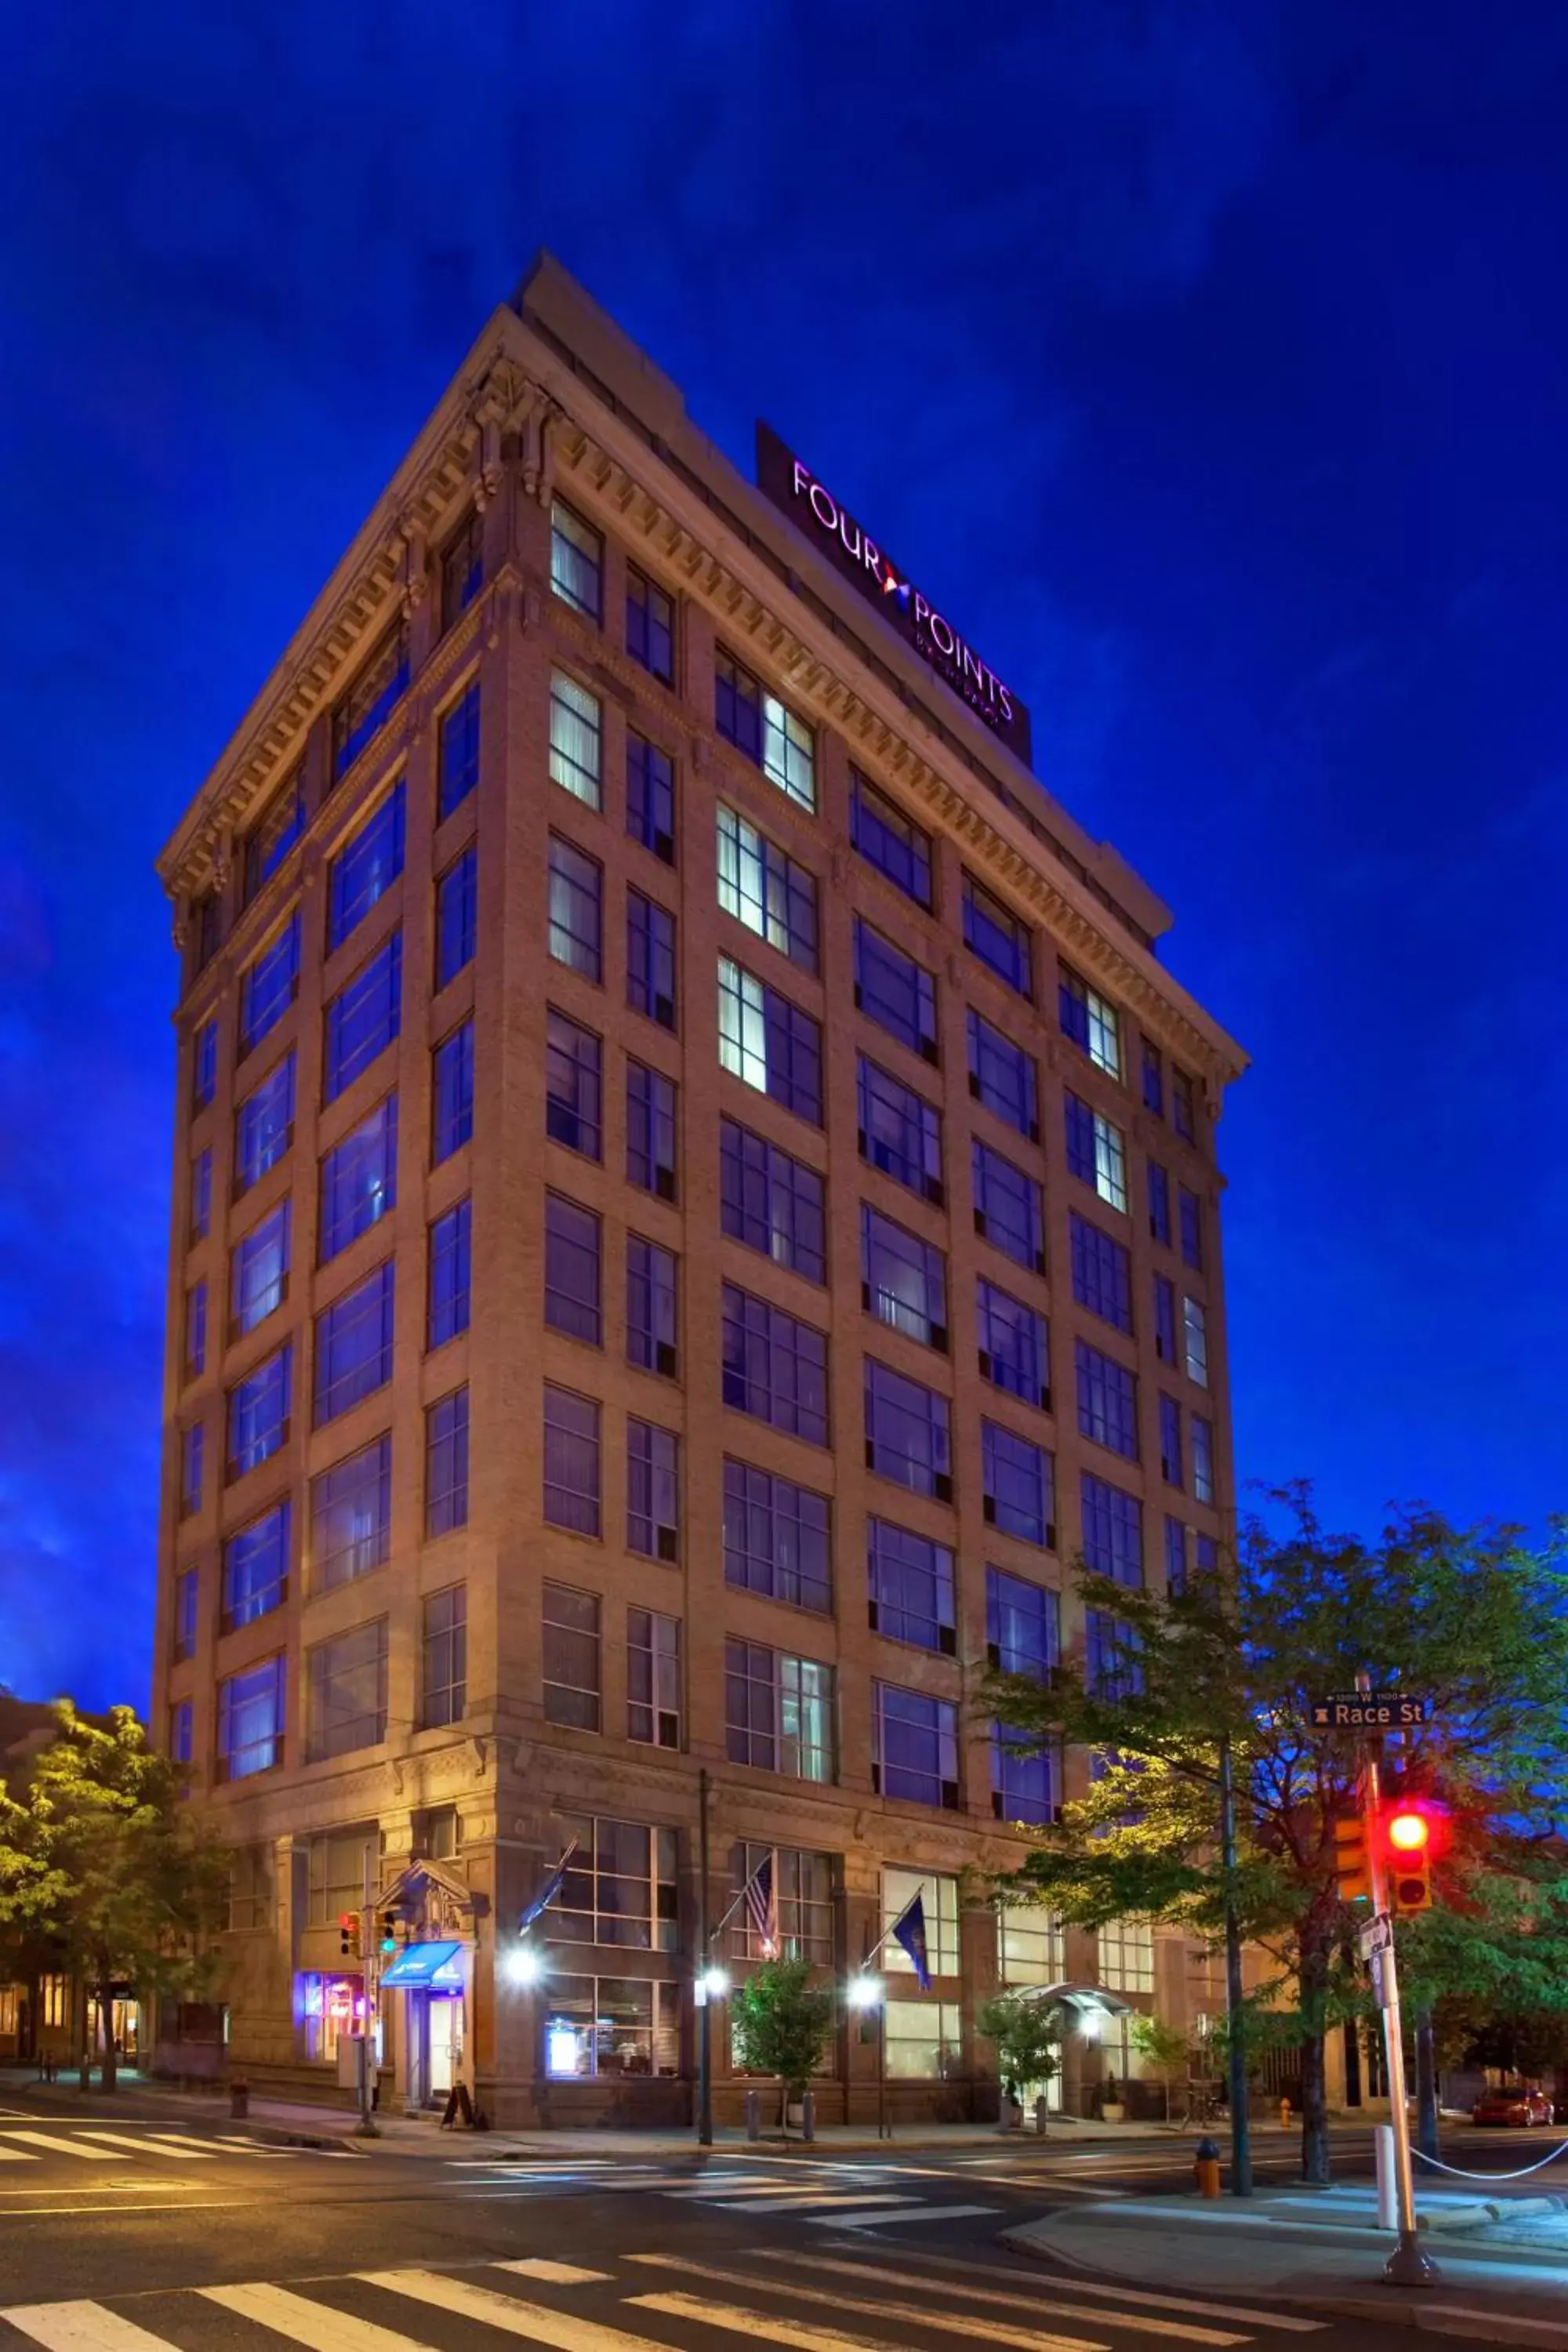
(1514,2102)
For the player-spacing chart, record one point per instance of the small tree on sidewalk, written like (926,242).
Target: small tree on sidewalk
(782,2025)
(1025,2029)
(1166,2049)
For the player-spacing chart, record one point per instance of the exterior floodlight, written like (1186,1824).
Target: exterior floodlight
(715,1982)
(523,1965)
(1090,2023)
(864,1991)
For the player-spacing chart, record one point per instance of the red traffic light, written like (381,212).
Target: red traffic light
(1409,1833)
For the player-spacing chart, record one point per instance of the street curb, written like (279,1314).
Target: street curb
(280,2135)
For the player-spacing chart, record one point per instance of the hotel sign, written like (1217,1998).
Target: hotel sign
(816,513)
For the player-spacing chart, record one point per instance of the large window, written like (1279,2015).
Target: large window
(1196,1342)
(903,1280)
(769,1043)
(1009,1207)
(364,1016)
(451,1252)
(776,1367)
(371,699)
(186,1590)
(204,1065)
(574,1665)
(907,1433)
(201,1216)
(1107,1400)
(996,936)
(1003,1077)
(443,1657)
(1090,1021)
(250,1889)
(576,562)
(1019,1485)
(575,935)
(650,958)
(1113,1531)
(1031,1945)
(264,1125)
(462,567)
(899,1133)
(452,1092)
(1025,1778)
(255,1568)
(345,1692)
(1101,1273)
(621,1886)
(458,759)
(1153,1072)
(1110,1662)
(576,739)
(570,1461)
(1095,1154)
(1159,1203)
(273,834)
(258,1413)
(763,888)
(1183,1105)
(1190,1224)
(572,1286)
(365,868)
(651,1307)
(192,1451)
(650,796)
(1126,1955)
(909,1588)
(653,1678)
(334,1872)
(354,1345)
(650,625)
(457,917)
(779,1711)
(893,991)
(802,1903)
(1022,1625)
(761,728)
(1164,1319)
(888,840)
(611,2029)
(447,1463)
(777,1538)
(923,2041)
(1202,1459)
(250,1721)
(653,1491)
(351,1515)
(914,1746)
(1015,1351)
(573,1085)
(771,1203)
(650,1130)
(1170,1469)
(359,1180)
(939,1904)
(258,1270)
(195,1330)
(269,985)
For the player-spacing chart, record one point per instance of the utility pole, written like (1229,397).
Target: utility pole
(1407,2265)
(1235,1990)
(367,2128)
(704,2001)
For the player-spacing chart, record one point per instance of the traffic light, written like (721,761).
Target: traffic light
(389,1931)
(348,1935)
(1350,1867)
(1409,1836)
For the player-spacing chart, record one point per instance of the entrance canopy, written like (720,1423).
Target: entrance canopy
(436,1965)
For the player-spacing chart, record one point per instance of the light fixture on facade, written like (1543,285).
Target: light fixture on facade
(713,1983)
(523,1965)
(864,1992)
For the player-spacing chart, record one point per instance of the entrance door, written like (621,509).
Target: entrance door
(445,2017)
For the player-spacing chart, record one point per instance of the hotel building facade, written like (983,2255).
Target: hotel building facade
(695,1206)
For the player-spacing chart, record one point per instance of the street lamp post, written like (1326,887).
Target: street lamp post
(865,1992)
(1235,1990)
(704,2005)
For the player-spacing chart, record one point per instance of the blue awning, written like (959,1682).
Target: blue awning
(420,1964)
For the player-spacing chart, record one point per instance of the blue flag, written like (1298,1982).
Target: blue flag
(909,1931)
(547,1893)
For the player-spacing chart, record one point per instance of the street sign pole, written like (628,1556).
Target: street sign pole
(1407,2265)
(369,1961)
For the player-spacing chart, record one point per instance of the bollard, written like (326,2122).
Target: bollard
(808,2114)
(1387,2197)
(1040,2116)
(1205,2166)
(238,2099)
(754,2114)
(1284,2115)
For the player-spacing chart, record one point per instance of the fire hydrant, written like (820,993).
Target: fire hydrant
(1205,2166)
(1284,2115)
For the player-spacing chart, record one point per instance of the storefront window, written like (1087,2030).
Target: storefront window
(602,2027)
(325,2009)
(923,2041)
(52,2000)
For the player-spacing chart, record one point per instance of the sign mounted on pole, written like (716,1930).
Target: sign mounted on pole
(1377,1935)
(1389,1710)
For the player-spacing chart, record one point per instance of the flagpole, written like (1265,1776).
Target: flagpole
(705,2006)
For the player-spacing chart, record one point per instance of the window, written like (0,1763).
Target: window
(1175,1558)
(206,918)
(371,699)
(779,1711)
(1003,1077)
(364,1016)
(576,739)
(250,1888)
(354,1345)
(620,1887)
(1023,1783)
(359,1180)
(1195,1342)
(462,567)
(1126,1955)
(450,1256)
(899,1132)
(1095,1152)
(264,1125)
(201,1217)
(1202,1459)
(996,936)
(909,1588)
(269,985)
(452,1092)
(650,625)
(893,991)
(458,755)
(185,1595)
(888,840)
(803,1900)
(1189,1221)
(921,2040)
(195,1330)
(651,1278)
(576,562)
(650,796)
(1107,1400)
(1019,1485)
(335,1872)
(576,931)
(1090,1021)
(1009,1207)
(258,1413)
(769,1043)
(771,1202)
(650,958)
(775,1366)
(273,834)
(763,888)
(365,868)
(1023,1626)
(1113,1531)
(572,1660)
(939,1901)
(1159,1203)
(777,1538)
(345,1692)
(1031,1949)
(1153,1077)
(438,1832)
(250,1721)
(351,1515)
(258,1270)
(1015,1352)
(903,1280)
(653,1491)
(446,1465)
(572,1284)
(1110,1662)
(653,1678)
(610,2028)
(570,1461)
(255,1568)
(760,728)
(914,1746)
(907,1436)
(1101,1273)
(1184,1106)
(204,1065)
(457,917)
(1171,1442)
(192,1447)
(443,1656)
(1205,1554)
(650,1130)
(574,1107)
(1164,1320)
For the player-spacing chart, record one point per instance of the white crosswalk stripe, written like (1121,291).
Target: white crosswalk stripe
(97,2144)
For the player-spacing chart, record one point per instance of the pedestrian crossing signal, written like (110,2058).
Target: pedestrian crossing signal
(1351,1870)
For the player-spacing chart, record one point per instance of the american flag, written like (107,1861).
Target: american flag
(761,1908)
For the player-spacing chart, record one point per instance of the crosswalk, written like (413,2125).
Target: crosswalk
(649,2302)
(827,2194)
(89,2144)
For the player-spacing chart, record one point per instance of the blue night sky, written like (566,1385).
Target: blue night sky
(1207,360)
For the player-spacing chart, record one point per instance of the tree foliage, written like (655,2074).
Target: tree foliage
(782,2023)
(1469,1617)
(1025,2029)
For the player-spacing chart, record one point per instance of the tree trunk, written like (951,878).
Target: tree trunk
(106,2026)
(1426,2084)
(1313,1973)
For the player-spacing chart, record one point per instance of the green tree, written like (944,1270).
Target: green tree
(100,1855)
(782,2024)
(1026,2030)
(1166,2048)
(1470,1618)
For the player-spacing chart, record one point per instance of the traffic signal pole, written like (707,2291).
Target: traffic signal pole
(1408,2264)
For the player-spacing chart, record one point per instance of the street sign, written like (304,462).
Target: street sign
(1368,1711)
(1376,1936)
(1382,1990)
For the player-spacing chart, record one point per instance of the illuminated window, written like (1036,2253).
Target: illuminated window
(576,562)
(764,730)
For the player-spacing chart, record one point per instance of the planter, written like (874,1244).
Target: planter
(1112,2112)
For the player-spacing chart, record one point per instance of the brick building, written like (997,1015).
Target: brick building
(695,1203)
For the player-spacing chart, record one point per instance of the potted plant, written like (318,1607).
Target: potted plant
(782,2024)
(1111,2109)
(1024,2029)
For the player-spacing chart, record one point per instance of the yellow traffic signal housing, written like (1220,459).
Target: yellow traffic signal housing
(1409,1861)
(1350,1867)
(349,1935)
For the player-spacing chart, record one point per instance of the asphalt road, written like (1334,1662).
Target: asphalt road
(121,2233)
